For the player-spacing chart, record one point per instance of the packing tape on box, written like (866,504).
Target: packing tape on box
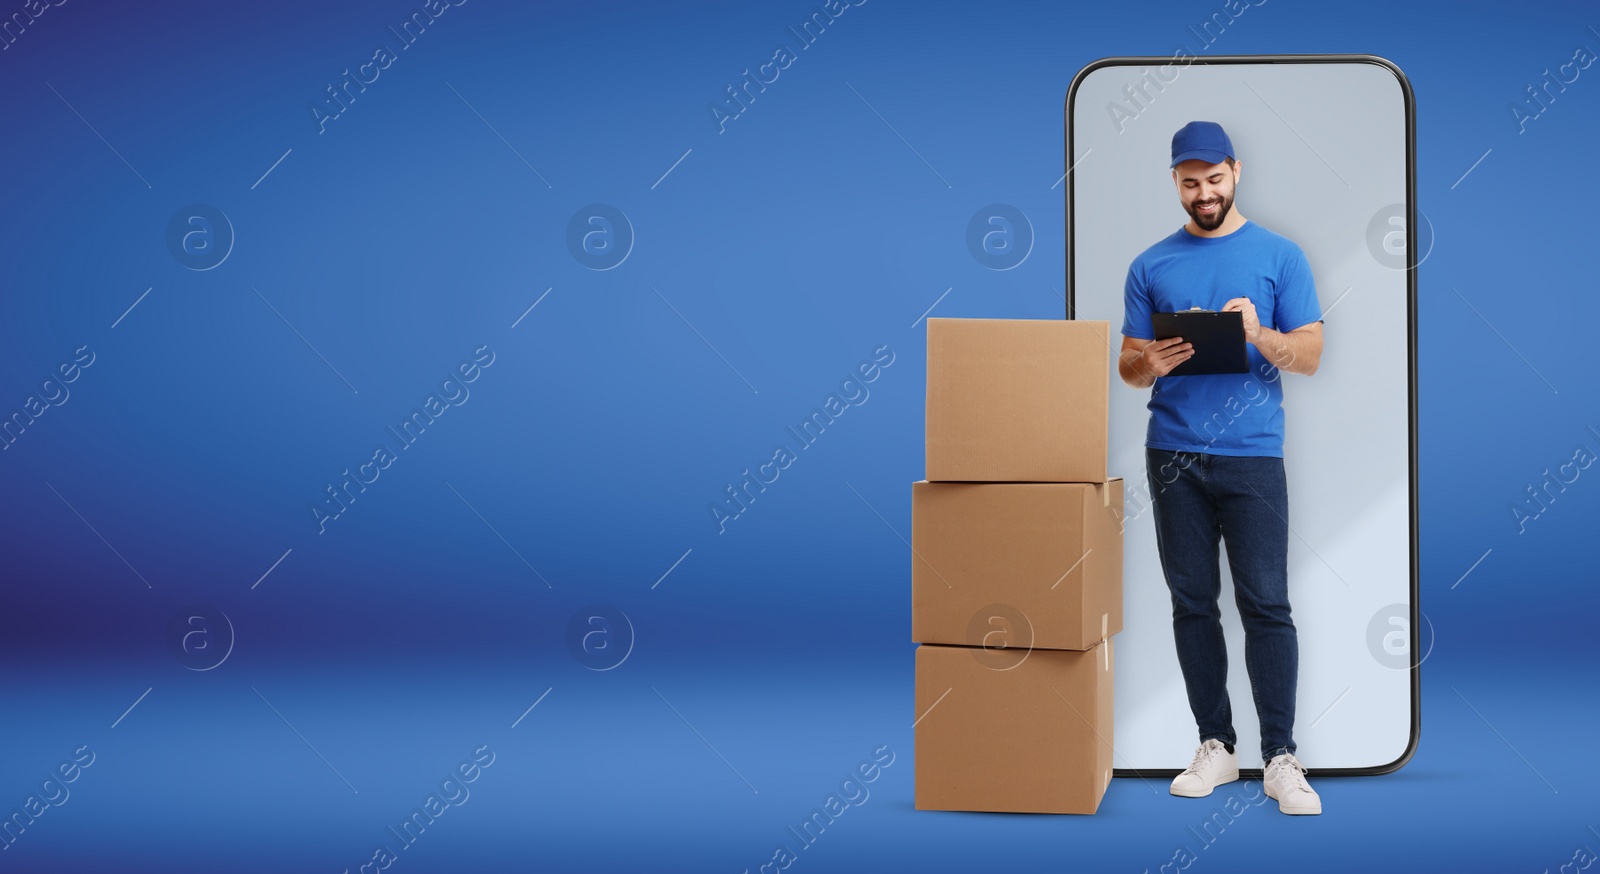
(1107,780)
(1107,654)
(1105,495)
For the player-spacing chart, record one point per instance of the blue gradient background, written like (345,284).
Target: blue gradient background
(773,657)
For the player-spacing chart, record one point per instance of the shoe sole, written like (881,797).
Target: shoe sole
(1295,811)
(1229,777)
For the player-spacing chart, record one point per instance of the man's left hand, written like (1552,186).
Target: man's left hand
(1247,310)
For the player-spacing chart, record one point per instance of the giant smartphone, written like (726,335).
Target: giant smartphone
(1326,145)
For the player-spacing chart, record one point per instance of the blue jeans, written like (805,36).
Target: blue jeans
(1198,497)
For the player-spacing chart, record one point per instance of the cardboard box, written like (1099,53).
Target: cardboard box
(1025,732)
(1037,564)
(1018,400)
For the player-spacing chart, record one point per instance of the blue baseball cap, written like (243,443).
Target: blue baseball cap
(1202,140)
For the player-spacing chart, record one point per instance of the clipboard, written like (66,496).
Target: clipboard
(1217,337)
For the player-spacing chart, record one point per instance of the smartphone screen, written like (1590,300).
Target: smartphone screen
(1325,152)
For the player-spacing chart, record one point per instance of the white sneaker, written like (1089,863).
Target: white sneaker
(1285,781)
(1213,765)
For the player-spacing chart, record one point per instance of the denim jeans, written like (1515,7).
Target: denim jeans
(1244,500)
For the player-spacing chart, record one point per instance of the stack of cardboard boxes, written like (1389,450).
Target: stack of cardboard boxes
(1016,580)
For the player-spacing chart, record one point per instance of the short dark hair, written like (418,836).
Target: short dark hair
(1229,161)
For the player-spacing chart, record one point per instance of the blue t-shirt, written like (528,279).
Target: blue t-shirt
(1220,413)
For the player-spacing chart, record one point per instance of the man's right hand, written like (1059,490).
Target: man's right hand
(1146,360)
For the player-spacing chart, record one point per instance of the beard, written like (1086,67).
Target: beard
(1213,221)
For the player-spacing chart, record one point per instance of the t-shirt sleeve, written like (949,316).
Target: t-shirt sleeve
(1136,305)
(1296,303)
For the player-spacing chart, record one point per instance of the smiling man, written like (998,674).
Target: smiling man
(1214,456)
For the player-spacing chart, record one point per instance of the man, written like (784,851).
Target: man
(1214,456)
